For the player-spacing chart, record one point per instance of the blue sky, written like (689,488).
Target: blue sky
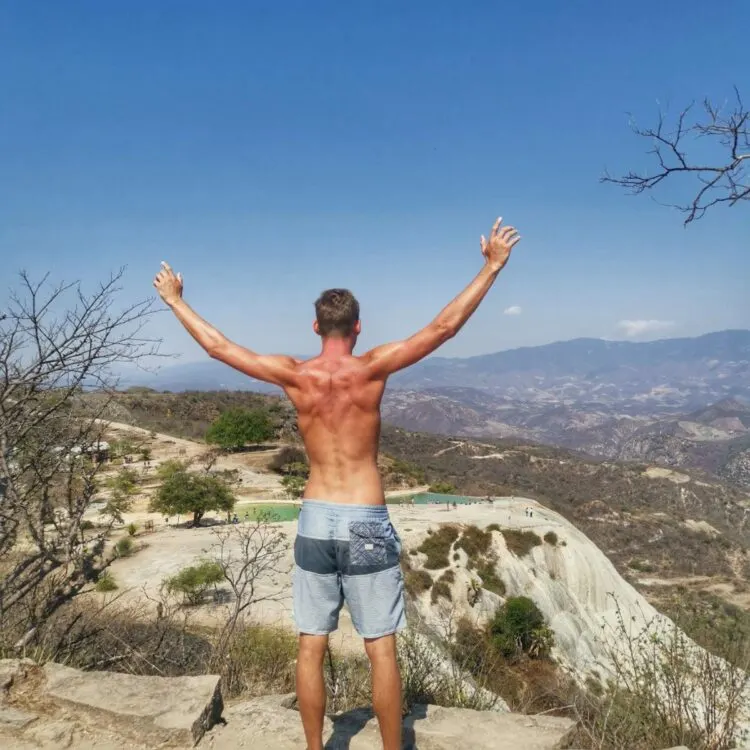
(271,150)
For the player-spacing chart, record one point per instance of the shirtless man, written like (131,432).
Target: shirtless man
(346,548)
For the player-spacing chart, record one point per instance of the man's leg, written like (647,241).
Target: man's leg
(386,688)
(311,690)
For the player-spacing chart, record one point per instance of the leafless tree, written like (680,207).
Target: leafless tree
(56,341)
(723,178)
(253,559)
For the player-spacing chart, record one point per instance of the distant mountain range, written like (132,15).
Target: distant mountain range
(637,378)
(676,402)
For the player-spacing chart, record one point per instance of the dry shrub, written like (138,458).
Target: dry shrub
(475,542)
(260,660)
(430,675)
(520,543)
(416,582)
(481,558)
(490,579)
(442,587)
(437,546)
(665,691)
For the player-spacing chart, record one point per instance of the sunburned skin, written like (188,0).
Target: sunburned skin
(337,394)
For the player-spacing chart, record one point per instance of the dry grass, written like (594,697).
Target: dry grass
(520,543)
(437,546)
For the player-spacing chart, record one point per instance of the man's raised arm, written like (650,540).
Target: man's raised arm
(389,358)
(277,369)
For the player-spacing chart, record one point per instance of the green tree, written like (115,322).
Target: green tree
(186,492)
(193,582)
(169,467)
(235,428)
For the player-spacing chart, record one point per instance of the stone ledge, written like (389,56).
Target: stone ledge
(173,710)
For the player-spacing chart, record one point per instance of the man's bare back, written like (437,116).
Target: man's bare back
(338,410)
(337,395)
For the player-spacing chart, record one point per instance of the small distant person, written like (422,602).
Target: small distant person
(346,548)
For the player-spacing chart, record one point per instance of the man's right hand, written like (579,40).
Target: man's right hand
(168,284)
(497,248)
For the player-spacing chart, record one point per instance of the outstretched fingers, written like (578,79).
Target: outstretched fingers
(496,226)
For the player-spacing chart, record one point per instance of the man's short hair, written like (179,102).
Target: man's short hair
(337,312)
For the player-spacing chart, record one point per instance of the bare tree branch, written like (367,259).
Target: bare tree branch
(253,560)
(56,342)
(725,180)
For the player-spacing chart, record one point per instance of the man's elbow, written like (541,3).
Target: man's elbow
(446,330)
(215,349)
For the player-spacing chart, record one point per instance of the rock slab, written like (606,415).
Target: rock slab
(174,711)
(267,723)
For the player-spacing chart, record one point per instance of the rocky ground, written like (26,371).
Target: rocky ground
(54,707)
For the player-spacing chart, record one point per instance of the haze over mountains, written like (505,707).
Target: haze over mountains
(616,399)
(678,373)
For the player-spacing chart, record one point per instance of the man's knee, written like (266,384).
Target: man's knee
(312,647)
(381,649)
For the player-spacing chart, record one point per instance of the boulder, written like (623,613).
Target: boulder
(169,710)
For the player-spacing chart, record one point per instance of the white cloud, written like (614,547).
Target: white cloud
(636,328)
(513,310)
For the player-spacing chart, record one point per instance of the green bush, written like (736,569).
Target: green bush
(132,529)
(193,582)
(124,547)
(520,543)
(106,582)
(518,627)
(235,428)
(437,546)
(443,488)
(551,538)
(294,485)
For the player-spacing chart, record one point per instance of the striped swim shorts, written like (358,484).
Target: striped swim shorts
(347,553)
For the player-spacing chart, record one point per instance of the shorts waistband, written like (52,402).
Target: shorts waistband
(345,508)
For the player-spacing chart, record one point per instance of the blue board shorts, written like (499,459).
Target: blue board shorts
(347,553)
